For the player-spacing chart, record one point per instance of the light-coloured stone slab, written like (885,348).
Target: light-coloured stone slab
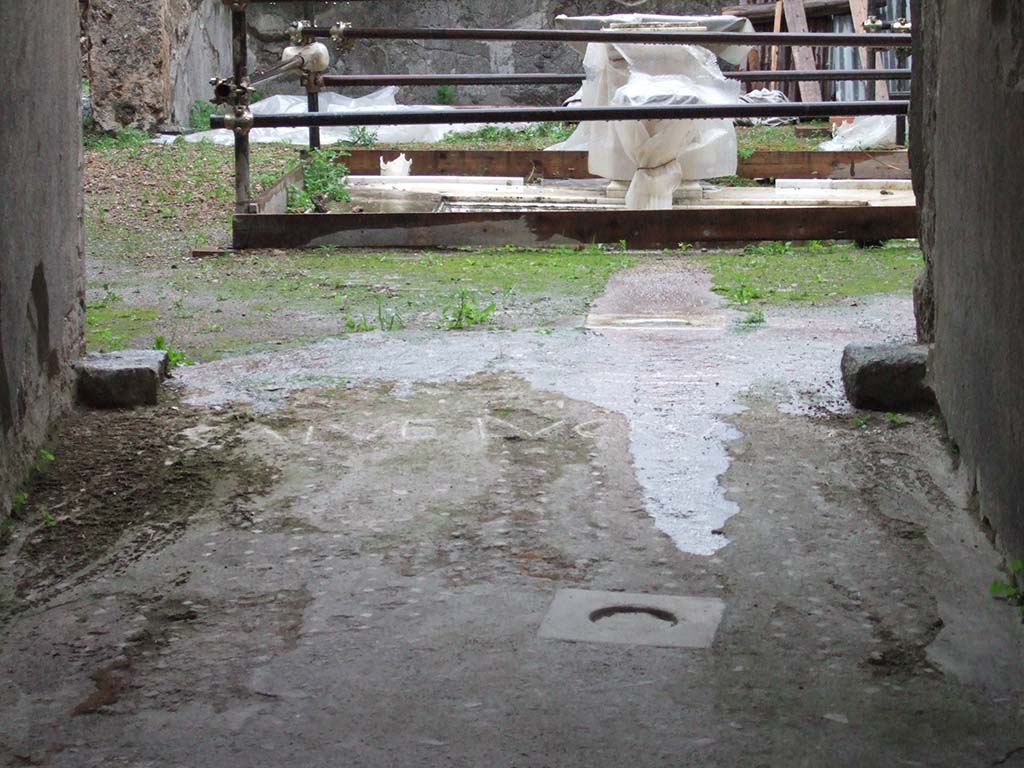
(669,621)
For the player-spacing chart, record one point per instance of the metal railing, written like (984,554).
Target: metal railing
(237,90)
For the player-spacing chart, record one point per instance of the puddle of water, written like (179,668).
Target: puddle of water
(676,388)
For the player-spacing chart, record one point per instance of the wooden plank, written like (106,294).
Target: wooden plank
(777,27)
(275,198)
(885,164)
(764,12)
(637,229)
(803,56)
(860,10)
(522,163)
(827,165)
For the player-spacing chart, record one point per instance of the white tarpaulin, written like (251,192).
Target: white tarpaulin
(379,101)
(865,132)
(732,54)
(656,155)
(765,96)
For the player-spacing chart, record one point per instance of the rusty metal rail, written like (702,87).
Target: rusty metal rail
(566,114)
(822,39)
(539,78)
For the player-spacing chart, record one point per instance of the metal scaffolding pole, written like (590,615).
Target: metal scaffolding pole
(240,55)
(824,39)
(520,79)
(570,115)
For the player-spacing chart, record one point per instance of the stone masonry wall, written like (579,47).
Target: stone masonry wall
(148,61)
(41,247)
(969,157)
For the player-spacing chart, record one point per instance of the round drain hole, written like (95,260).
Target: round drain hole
(635,616)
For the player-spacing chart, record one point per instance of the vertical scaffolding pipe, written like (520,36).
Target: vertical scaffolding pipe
(313,102)
(240,56)
(313,85)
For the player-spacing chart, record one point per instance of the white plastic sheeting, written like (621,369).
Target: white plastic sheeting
(765,96)
(400,166)
(379,101)
(733,54)
(653,145)
(863,133)
(656,155)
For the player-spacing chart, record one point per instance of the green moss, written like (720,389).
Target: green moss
(110,328)
(779,273)
(359,284)
(765,138)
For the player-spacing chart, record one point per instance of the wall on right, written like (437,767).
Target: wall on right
(968,155)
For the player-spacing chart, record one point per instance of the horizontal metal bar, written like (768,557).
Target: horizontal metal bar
(824,39)
(573,115)
(351,81)
(411,80)
(759,76)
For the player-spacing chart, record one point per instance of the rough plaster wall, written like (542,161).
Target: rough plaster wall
(128,54)
(922,125)
(41,250)
(200,49)
(149,60)
(973,163)
(268,25)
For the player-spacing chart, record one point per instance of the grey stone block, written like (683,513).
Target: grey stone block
(887,377)
(121,379)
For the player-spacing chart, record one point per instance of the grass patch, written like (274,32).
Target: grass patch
(324,181)
(763,138)
(780,273)
(144,199)
(357,284)
(124,139)
(201,112)
(536,136)
(752,319)
(230,305)
(112,328)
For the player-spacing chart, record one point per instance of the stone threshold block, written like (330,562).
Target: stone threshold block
(887,377)
(121,379)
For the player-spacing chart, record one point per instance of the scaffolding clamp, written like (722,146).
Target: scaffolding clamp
(298,31)
(902,25)
(339,33)
(874,24)
(241,121)
(227,91)
(313,82)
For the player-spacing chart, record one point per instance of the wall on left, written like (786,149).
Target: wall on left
(149,61)
(42,261)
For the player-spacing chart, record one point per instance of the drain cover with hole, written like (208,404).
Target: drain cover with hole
(668,621)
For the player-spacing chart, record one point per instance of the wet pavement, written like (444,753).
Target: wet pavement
(370,590)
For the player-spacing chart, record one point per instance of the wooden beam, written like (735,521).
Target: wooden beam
(796,21)
(764,12)
(859,9)
(637,229)
(777,27)
(826,165)
(275,198)
(884,164)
